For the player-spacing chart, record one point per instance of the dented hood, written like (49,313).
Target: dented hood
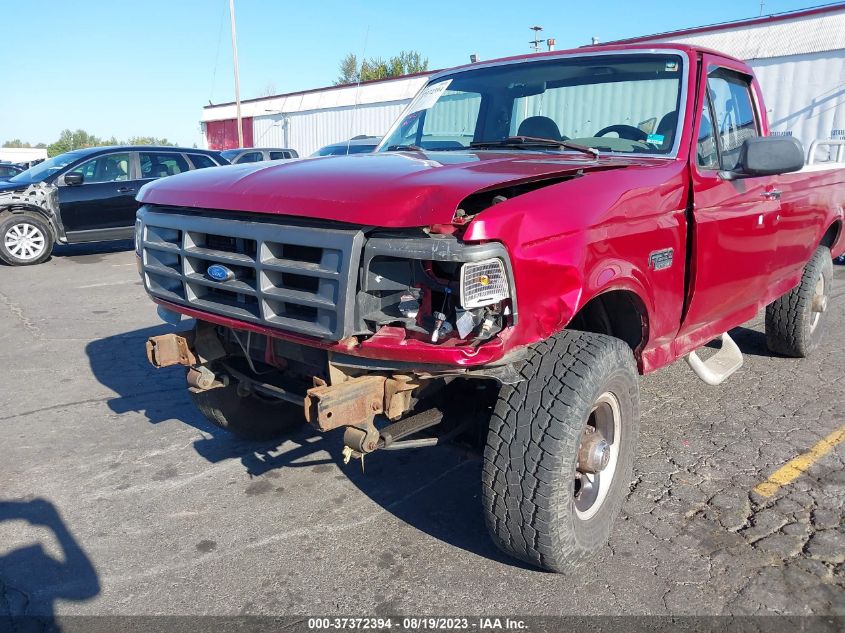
(396,189)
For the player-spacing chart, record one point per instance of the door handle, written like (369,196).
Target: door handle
(125,189)
(774,194)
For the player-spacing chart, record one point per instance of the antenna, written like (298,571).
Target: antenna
(535,43)
(357,89)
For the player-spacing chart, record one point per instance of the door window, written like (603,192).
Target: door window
(161,164)
(108,168)
(279,155)
(733,113)
(707,155)
(250,157)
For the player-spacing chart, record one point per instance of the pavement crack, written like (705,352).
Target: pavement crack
(17,312)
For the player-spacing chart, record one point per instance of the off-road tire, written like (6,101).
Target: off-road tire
(30,222)
(251,416)
(528,480)
(789,319)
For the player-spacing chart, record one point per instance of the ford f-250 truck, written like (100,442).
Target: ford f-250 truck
(538,228)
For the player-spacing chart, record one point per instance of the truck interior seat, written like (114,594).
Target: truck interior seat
(539,127)
(666,128)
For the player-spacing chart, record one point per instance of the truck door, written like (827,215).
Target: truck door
(734,221)
(104,201)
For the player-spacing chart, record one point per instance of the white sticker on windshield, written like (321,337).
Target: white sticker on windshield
(429,95)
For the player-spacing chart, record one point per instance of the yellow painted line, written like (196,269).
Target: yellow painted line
(797,466)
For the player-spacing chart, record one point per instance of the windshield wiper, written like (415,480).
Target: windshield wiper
(404,148)
(536,141)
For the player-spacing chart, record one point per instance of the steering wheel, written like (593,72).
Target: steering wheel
(628,132)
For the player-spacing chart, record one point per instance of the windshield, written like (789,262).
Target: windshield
(229,154)
(342,150)
(626,103)
(49,167)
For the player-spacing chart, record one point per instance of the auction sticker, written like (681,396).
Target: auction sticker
(429,95)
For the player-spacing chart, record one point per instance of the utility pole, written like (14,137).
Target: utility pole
(237,78)
(535,43)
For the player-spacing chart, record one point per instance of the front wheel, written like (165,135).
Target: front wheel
(25,239)
(795,321)
(560,450)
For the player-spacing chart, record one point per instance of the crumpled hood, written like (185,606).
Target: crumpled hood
(396,189)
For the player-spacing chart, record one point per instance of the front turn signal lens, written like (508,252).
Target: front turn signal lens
(483,283)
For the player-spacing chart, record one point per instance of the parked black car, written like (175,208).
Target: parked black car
(7,170)
(85,195)
(256,154)
(355,145)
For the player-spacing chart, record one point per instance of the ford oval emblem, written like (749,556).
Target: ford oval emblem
(218,272)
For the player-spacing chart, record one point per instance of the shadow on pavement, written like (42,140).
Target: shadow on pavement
(31,579)
(91,252)
(436,490)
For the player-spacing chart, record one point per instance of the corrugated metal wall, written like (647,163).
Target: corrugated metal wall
(800,64)
(306,132)
(805,94)
(581,111)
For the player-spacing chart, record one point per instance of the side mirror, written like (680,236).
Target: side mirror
(73,178)
(767,156)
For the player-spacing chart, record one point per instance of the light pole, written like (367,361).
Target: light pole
(237,78)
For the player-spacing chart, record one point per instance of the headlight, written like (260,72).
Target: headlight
(483,283)
(139,235)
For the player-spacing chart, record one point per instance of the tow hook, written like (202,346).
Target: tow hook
(201,378)
(171,349)
(192,349)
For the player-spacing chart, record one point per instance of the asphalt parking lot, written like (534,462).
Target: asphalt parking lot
(117,497)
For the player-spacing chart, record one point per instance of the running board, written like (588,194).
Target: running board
(716,369)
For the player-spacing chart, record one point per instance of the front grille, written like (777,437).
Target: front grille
(296,278)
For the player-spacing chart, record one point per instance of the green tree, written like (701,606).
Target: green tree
(405,63)
(69,140)
(348,70)
(147,140)
(16,142)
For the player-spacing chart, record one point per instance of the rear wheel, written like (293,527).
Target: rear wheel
(25,239)
(250,416)
(560,450)
(795,321)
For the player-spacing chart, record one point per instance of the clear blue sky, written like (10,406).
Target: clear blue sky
(147,67)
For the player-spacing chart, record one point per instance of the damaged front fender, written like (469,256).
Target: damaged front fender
(41,198)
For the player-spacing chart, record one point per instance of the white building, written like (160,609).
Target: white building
(22,154)
(306,121)
(799,59)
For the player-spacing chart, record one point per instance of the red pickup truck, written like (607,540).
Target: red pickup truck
(534,230)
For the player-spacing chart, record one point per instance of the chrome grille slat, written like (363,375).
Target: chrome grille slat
(299,297)
(300,268)
(295,278)
(234,286)
(220,256)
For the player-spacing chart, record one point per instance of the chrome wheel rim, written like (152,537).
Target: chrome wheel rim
(591,488)
(819,303)
(24,241)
